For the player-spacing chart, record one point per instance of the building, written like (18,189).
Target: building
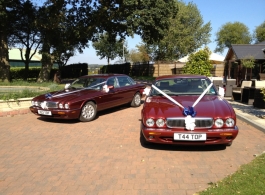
(16,61)
(233,61)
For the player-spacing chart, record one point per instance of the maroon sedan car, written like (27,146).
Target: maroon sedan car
(187,110)
(87,95)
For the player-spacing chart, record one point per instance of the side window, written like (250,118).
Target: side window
(112,82)
(124,81)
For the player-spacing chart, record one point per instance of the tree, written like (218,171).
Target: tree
(149,18)
(232,33)
(135,56)
(248,62)
(199,63)
(186,34)
(259,33)
(6,17)
(25,34)
(107,48)
(139,55)
(65,29)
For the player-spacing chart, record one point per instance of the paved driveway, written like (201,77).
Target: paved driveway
(105,156)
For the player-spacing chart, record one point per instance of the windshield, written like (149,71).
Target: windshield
(183,86)
(89,83)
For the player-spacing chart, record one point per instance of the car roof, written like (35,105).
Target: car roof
(105,76)
(179,76)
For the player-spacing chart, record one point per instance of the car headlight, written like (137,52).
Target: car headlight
(229,122)
(219,123)
(160,122)
(66,106)
(61,105)
(32,103)
(150,122)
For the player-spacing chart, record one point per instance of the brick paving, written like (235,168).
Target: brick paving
(105,157)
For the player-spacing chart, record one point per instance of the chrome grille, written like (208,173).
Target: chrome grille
(52,104)
(180,122)
(49,104)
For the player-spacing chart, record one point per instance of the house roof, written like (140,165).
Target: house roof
(14,54)
(244,51)
(214,58)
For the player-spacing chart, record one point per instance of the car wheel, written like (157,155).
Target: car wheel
(229,144)
(88,112)
(136,101)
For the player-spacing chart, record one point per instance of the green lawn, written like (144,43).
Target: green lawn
(248,180)
(27,91)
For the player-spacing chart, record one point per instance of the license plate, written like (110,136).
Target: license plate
(45,112)
(190,136)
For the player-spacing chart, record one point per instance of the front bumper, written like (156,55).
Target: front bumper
(57,113)
(166,136)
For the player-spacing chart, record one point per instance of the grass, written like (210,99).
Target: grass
(248,180)
(27,92)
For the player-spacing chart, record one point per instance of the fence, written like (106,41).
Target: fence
(154,70)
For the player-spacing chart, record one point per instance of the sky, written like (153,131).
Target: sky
(218,12)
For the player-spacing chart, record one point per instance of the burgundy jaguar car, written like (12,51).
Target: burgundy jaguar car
(187,110)
(87,95)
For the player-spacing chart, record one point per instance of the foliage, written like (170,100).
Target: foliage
(249,179)
(74,70)
(66,26)
(186,34)
(51,15)
(199,63)
(32,73)
(135,56)
(27,92)
(143,78)
(139,55)
(232,33)
(148,18)
(6,17)
(108,48)
(248,62)
(259,33)
(25,34)
(117,69)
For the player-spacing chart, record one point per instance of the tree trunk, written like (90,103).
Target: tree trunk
(4,64)
(27,60)
(46,64)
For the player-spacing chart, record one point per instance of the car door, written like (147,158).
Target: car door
(112,97)
(126,89)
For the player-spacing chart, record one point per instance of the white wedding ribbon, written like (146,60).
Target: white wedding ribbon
(200,97)
(189,123)
(66,93)
(147,90)
(167,96)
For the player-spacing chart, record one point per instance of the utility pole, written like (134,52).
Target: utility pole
(123,52)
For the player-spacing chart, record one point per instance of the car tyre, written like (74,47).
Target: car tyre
(229,144)
(136,101)
(88,112)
